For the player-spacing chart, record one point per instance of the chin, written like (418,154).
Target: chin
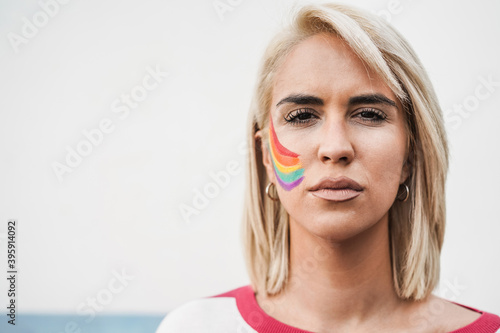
(339,226)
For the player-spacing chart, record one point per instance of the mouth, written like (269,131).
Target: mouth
(336,189)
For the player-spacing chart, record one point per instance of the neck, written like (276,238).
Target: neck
(338,283)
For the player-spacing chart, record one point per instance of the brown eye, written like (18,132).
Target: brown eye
(304,116)
(300,116)
(372,115)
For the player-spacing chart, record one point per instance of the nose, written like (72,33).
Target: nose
(335,145)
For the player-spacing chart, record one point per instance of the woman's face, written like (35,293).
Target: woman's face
(339,150)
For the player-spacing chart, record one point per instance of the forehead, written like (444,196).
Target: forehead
(326,66)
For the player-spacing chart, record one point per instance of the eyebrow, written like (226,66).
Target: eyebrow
(301,99)
(371,99)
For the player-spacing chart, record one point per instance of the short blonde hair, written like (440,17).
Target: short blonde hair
(416,226)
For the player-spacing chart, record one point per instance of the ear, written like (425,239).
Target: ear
(408,163)
(406,170)
(405,173)
(266,156)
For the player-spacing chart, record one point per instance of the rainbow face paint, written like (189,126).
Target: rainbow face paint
(287,167)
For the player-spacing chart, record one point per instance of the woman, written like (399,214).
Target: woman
(345,209)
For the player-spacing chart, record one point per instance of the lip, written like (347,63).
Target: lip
(336,189)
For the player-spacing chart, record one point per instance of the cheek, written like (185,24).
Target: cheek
(288,175)
(382,159)
(287,166)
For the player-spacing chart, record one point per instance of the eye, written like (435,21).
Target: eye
(371,115)
(300,116)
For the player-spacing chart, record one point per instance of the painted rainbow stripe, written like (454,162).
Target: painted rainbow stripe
(287,167)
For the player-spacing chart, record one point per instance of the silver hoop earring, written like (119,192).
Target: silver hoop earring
(268,192)
(406,195)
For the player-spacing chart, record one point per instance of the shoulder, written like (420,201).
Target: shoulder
(473,320)
(440,315)
(214,314)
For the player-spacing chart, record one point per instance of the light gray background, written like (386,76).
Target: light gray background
(120,208)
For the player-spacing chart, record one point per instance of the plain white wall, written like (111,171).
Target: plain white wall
(119,209)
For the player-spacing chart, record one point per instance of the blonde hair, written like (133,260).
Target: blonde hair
(416,226)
